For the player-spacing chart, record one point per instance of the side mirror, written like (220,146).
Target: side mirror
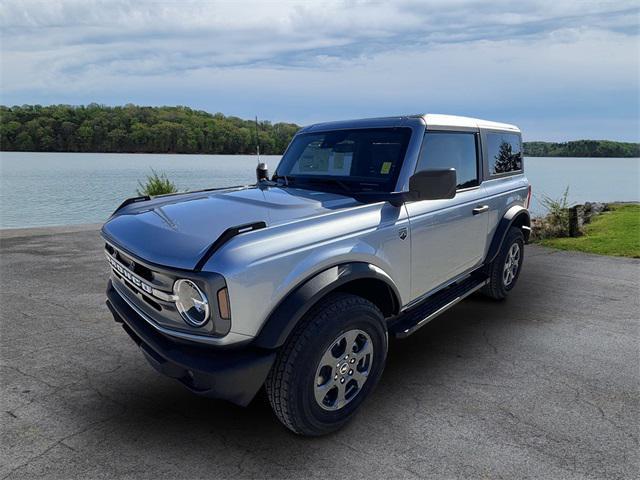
(433,184)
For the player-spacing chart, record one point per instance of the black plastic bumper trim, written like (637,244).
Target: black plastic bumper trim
(235,375)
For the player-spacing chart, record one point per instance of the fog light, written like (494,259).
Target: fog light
(223,304)
(191,303)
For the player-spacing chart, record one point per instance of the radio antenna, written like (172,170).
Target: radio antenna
(262,171)
(257,141)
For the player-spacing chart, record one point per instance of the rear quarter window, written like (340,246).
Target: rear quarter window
(504,153)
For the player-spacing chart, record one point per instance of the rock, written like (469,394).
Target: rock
(590,210)
(553,226)
(576,220)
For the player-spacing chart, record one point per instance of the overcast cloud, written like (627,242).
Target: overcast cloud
(561,70)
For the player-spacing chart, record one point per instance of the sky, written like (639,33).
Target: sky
(561,70)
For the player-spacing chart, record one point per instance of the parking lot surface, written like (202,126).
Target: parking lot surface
(542,385)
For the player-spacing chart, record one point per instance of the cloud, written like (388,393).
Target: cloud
(305,61)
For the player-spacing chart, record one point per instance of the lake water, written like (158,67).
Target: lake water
(39,189)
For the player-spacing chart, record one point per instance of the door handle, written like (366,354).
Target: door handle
(481,209)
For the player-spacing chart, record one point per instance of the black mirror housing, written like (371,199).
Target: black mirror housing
(433,184)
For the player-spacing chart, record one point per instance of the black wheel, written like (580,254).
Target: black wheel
(505,269)
(329,365)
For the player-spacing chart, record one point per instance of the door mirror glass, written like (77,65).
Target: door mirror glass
(433,184)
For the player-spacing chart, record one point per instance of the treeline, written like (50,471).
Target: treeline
(582,148)
(135,129)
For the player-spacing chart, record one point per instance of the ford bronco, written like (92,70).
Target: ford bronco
(366,229)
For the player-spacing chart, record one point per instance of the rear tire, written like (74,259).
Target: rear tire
(505,268)
(329,365)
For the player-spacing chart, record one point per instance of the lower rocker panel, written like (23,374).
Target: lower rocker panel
(418,316)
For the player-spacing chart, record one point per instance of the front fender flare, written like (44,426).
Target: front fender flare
(517,215)
(290,311)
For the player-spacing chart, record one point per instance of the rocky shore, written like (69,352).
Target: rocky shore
(568,222)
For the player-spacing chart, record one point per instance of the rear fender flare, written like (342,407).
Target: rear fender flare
(516,216)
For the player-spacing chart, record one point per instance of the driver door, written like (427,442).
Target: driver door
(448,237)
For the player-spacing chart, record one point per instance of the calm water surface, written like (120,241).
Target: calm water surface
(38,189)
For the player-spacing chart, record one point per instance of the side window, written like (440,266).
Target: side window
(504,153)
(442,150)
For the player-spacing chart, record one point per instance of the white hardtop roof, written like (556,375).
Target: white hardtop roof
(435,120)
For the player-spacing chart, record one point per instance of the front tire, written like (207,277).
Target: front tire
(329,365)
(505,269)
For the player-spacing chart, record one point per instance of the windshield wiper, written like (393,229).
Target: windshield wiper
(282,177)
(394,198)
(333,181)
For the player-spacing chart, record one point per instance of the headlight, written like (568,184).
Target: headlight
(191,302)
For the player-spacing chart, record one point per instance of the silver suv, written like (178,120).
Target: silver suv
(367,228)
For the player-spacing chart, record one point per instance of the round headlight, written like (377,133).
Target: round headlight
(191,302)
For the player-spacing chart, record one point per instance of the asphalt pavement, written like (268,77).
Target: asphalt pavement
(543,385)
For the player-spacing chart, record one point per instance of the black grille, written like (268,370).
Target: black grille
(131,264)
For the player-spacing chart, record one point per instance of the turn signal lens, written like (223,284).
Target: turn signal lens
(223,304)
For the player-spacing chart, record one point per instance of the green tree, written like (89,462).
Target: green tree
(506,160)
(582,148)
(132,128)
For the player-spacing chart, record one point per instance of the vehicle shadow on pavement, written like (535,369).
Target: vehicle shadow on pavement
(423,388)
(452,335)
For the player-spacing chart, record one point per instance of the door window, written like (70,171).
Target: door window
(442,150)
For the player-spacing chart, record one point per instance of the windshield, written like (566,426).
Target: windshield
(357,160)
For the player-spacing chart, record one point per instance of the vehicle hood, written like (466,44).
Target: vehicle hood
(177,230)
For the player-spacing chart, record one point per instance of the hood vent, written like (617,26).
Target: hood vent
(227,235)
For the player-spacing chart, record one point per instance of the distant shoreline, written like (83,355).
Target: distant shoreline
(526,155)
(181,130)
(151,153)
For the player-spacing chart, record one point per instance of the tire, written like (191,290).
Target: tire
(500,283)
(304,386)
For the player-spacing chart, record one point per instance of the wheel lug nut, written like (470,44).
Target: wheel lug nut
(336,377)
(346,356)
(342,380)
(350,372)
(353,360)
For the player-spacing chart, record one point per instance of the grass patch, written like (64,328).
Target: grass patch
(616,232)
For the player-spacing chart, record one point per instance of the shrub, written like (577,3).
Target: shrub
(156,184)
(556,222)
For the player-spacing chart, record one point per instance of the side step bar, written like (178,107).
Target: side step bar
(418,316)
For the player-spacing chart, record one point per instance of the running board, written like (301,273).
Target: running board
(418,316)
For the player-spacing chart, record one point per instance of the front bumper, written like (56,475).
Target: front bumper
(235,375)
